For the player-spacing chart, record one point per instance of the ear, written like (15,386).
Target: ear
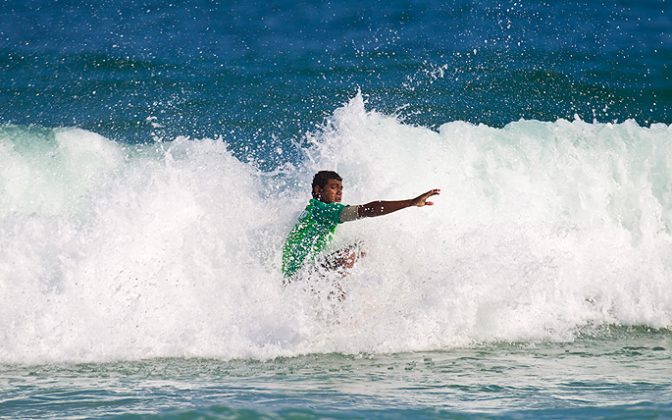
(317,191)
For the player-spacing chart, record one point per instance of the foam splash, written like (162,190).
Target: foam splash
(111,251)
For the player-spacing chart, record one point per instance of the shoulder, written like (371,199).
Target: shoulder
(322,206)
(328,213)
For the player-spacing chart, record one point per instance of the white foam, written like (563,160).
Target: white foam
(123,252)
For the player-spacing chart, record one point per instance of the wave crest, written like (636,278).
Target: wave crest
(113,251)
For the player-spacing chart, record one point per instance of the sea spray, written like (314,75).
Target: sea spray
(111,251)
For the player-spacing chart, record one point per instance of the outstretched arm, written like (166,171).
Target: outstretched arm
(379,208)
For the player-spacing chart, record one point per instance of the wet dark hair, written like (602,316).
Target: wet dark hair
(320,179)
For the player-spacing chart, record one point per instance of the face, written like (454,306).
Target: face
(332,192)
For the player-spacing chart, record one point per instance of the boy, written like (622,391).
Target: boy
(317,223)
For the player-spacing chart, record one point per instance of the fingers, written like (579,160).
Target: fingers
(431,193)
(421,200)
(425,196)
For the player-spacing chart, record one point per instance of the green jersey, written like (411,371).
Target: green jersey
(311,234)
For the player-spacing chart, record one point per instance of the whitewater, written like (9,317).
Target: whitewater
(543,231)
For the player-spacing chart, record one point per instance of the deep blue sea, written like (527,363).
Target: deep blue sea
(155,154)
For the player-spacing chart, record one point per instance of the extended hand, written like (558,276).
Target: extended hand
(421,200)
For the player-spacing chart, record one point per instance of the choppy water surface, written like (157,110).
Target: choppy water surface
(616,372)
(253,72)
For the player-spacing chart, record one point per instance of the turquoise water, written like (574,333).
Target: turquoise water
(615,373)
(154,156)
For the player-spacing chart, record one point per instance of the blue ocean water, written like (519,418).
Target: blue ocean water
(154,155)
(249,71)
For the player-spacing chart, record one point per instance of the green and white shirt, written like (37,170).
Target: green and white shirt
(312,232)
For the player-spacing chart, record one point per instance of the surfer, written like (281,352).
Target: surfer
(317,223)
